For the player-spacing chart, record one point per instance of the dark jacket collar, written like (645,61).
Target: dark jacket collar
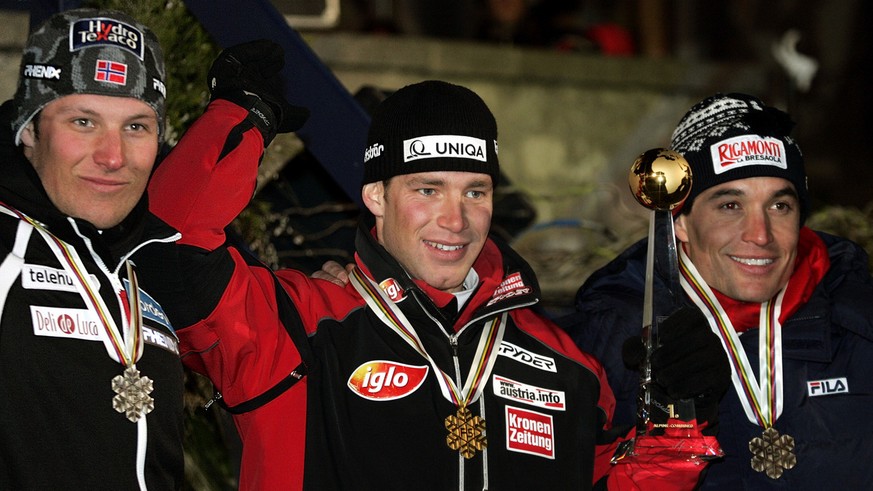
(506,280)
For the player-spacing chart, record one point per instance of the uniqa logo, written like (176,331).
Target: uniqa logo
(441,146)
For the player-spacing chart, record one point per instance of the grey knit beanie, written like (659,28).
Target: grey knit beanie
(89,51)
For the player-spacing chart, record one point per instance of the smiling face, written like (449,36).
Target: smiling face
(742,236)
(433,223)
(93,154)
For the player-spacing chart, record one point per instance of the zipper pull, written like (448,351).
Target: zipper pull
(215,398)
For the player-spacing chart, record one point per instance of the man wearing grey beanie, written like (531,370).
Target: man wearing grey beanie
(793,308)
(91,381)
(91,394)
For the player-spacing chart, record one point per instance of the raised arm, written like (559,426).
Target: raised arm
(210,175)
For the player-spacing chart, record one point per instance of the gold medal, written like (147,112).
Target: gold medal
(772,453)
(132,391)
(466,433)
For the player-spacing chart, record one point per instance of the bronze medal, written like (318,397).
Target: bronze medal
(124,343)
(772,453)
(132,391)
(466,433)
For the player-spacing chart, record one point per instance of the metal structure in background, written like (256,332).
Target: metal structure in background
(337,127)
(310,14)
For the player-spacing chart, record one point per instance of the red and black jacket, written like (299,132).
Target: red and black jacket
(546,404)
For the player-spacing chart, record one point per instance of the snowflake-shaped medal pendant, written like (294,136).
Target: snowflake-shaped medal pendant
(772,453)
(132,394)
(466,433)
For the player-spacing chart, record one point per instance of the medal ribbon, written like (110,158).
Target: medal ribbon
(393,317)
(125,349)
(762,400)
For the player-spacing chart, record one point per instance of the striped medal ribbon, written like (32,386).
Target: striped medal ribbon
(761,396)
(466,431)
(125,345)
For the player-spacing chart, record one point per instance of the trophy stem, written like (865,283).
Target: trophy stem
(667,263)
(661,260)
(666,427)
(644,402)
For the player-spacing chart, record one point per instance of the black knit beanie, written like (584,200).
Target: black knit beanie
(88,51)
(431,126)
(727,137)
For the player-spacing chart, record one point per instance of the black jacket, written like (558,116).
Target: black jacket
(58,427)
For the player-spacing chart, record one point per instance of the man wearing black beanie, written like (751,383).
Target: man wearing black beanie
(792,307)
(430,369)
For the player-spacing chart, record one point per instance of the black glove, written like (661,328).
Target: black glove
(248,75)
(689,362)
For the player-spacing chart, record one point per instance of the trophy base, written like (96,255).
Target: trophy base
(676,441)
(667,463)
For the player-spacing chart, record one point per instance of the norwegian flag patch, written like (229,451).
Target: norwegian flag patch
(111,71)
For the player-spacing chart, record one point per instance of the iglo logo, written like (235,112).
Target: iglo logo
(382,380)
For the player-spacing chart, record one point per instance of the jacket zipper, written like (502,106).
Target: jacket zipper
(453,343)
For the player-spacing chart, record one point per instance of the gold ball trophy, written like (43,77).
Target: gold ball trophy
(660,180)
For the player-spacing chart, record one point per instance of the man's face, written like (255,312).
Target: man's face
(434,223)
(742,236)
(94,154)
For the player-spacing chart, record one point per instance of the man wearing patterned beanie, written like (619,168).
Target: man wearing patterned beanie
(90,375)
(91,394)
(430,369)
(792,307)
